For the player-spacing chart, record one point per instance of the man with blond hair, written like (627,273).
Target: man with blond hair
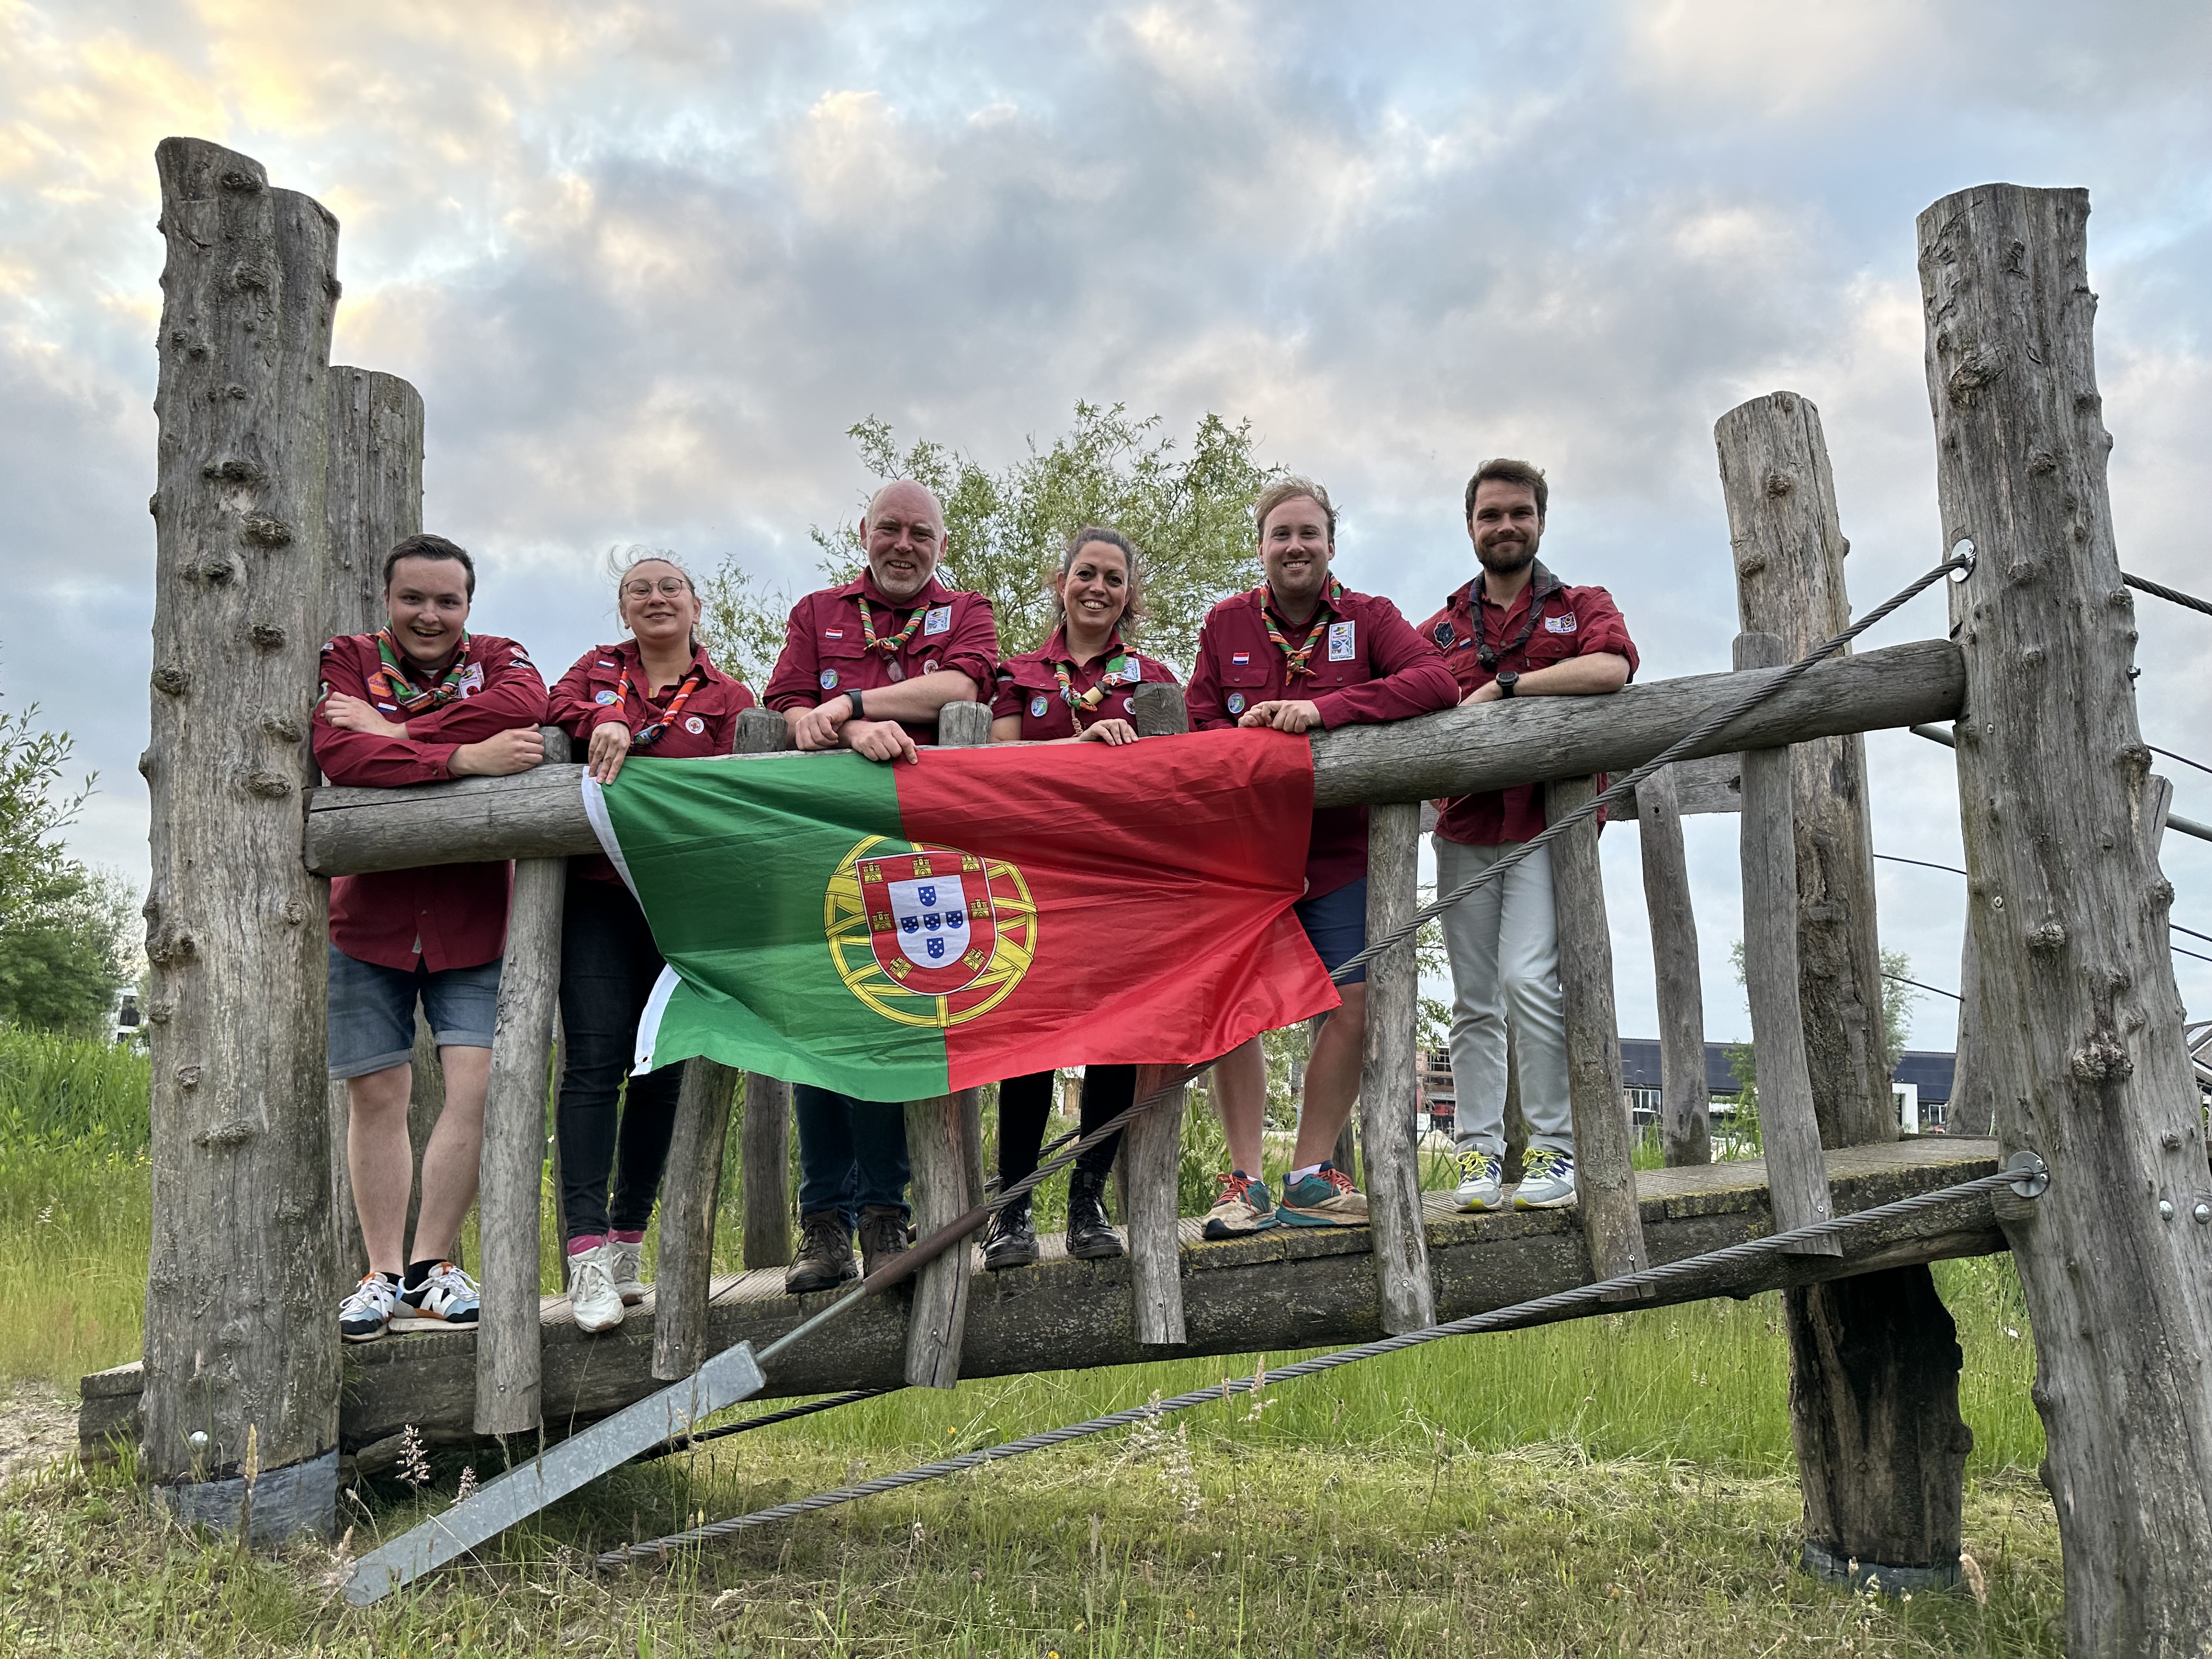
(1304,652)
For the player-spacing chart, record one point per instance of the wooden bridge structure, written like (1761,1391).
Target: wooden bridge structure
(283,479)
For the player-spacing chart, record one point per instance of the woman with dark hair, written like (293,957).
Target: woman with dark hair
(1081,688)
(655,695)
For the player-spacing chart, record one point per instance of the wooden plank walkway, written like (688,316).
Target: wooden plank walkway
(1280,1291)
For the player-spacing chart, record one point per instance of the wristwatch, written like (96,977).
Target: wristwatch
(853,697)
(1506,681)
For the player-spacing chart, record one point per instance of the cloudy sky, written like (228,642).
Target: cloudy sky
(647,262)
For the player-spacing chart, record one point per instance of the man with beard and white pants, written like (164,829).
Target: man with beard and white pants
(1515,630)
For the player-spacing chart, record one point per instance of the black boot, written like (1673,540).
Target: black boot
(825,1254)
(1011,1241)
(1091,1237)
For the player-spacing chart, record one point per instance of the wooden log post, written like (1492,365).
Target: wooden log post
(372,500)
(2082,1040)
(764,1135)
(1789,547)
(1787,1126)
(242,1398)
(1874,1360)
(510,1170)
(1152,1146)
(1605,1178)
(947,1181)
(1388,1081)
(1686,1128)
(690,1195)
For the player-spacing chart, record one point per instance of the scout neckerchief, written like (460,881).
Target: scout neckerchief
(1298,662)
(393,678)
(891,646)
(647,735)
(1119,671)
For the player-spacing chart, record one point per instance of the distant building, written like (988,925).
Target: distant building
(1928,1072)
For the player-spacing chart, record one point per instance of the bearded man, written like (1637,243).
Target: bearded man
(1515,630)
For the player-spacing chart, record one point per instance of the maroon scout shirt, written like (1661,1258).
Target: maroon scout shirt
(585,700)
(1369,666)
(444,915)
(825,650)
(1569,622)
(1028,687)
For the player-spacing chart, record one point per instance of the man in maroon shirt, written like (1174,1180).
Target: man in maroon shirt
(867,666)
(1302,652)
(1515,630)
(419,701)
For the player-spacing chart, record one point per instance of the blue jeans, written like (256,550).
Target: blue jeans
(852,1153)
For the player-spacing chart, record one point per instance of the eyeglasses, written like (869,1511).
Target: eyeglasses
(673,587)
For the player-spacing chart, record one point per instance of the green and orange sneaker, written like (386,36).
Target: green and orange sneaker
(1325,1199)
(1242,1208)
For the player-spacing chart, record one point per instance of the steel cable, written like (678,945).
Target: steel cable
(1542,1311)
(1622,788)
(2170,595)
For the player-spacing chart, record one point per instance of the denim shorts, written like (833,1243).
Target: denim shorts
(1336,927)
(373,1010)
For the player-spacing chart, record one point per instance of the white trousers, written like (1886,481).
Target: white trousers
(1503,942)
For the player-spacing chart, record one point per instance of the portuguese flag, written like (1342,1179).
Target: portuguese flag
(897,932)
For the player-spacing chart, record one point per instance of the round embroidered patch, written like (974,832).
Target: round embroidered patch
(1235,703)
(1037,707)
(828,679)
(694,726)
(604,697)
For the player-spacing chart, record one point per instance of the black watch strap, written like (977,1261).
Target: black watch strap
(1508,681)
(853,697)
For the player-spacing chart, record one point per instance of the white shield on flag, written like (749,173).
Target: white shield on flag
(930,918)
(931,912)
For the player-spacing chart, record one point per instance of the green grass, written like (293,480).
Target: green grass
(1616,1484)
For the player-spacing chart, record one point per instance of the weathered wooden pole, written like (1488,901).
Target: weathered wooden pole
(1788,548)
(1787,1126)
(2082,1037)
(1464,750)
(691,1194)
(241,1400)
(941,1135)
(1686,1129)
(1152,1146)
(1874,1360)
(765,1133)
(1389,1084)
(1605,1178)
(373,500)
(510,1168)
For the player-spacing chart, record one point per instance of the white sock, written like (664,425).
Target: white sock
(1300,1175)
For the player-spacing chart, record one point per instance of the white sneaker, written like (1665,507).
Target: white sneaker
(1548,1181)
(1480,1187)
(365,1313)
(628,1259)
(593,1302)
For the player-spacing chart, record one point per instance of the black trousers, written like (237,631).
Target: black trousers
(608,966)
(1025,1103)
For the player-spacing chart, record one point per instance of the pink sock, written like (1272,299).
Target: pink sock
(627,1235)
(584,1242)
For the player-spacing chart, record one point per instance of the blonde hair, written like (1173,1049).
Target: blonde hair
(1291,490)
(1132,612)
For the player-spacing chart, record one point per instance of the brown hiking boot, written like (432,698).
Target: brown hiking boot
(883,1234)
(825,1254)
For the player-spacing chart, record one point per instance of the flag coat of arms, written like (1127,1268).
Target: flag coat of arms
(895,932)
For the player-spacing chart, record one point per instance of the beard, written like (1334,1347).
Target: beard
(1510,559)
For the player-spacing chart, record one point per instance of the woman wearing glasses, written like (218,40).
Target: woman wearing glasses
(652,696)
